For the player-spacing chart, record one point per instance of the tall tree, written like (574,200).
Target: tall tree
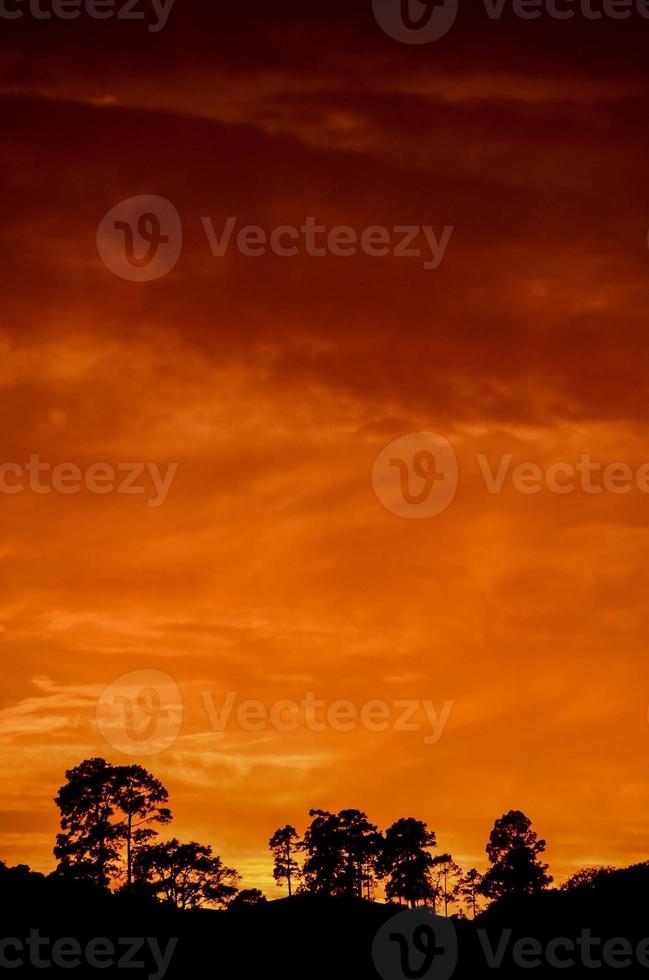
(514,852)
(361,846)
(283,844)
(87,847)
(138,799)
(406,861)
(470,889)
(188,876)
(447,875)
(107,812)
(321,845)
(341,852)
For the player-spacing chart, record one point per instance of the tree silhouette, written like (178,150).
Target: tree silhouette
(185,875)
(469,889)
(406,861)
(138,796)
(106,809)
(514,850)
(247,898)
(342,850)
(283,845)
(446,877)
(587,878)
(362,844)
(322,846)
(88,846)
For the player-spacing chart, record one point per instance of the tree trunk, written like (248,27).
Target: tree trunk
(129,860)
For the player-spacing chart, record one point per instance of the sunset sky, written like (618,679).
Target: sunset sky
(272,569)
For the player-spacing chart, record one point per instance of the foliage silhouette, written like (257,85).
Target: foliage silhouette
(406,862)
(247,898)
(283,845)
(105,810)
(586,878)
(341,853)
(187,876)
(139,796)
(88,845)
(514,851)
(447,876)
(469,890)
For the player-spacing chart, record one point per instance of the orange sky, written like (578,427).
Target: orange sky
(272,569)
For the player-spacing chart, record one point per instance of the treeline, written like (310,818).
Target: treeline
(343,854)
(111,817)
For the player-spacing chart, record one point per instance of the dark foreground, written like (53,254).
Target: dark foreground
(51,929)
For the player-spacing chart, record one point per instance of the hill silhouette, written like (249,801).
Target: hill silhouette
(122,898)
(311,936)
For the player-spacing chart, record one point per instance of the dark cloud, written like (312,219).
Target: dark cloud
(536,310)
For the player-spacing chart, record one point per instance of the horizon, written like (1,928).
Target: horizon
(164,832)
